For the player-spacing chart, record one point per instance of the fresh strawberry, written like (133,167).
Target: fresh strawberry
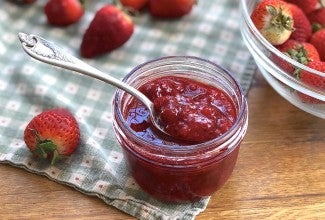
(302,52)
(317,19)
(302,27)
(170,8)
(63,12)
(273,18)
(134,4)
(306,5)
(318,40)
(52,134)
(109,29)
(313,80)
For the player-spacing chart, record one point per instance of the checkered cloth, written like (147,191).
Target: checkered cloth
(27,87)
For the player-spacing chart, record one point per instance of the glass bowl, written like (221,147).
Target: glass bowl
(169,170)
(268,58)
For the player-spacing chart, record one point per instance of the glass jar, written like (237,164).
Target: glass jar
(181,173)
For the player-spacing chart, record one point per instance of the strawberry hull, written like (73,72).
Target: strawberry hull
(317,18)
(274,20)
(301,52)
(52,134)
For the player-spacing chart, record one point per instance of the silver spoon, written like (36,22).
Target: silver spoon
(47,52)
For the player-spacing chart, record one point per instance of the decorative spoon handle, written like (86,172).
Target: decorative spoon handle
(47,52)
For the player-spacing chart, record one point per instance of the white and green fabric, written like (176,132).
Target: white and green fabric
(97,168)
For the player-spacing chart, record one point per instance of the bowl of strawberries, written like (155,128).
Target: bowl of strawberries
(287,41)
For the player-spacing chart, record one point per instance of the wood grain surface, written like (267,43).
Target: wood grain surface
(280,174)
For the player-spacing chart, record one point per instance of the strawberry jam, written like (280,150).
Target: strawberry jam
(188,110)
(202,106)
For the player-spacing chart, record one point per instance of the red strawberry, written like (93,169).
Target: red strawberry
(302,52)
(306,5)
(170,8)
(109,29)
(63,12)
(313,80)
(273,18)
(317,19)
(318,40)
(302,27)
(52,134)
(134,4)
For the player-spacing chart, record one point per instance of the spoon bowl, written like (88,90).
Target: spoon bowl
(47,52)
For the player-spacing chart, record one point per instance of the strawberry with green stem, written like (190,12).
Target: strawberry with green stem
(317,19)
(302,52)
(53,134)
(273,19)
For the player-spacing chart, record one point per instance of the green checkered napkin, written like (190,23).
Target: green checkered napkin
(97,168)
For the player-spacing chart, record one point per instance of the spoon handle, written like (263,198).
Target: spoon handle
(47,52)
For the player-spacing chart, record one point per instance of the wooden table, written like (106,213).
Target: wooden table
(280,174)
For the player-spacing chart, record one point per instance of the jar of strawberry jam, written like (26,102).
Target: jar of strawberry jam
(173,169)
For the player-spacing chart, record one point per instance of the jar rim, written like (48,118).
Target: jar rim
(190,147)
